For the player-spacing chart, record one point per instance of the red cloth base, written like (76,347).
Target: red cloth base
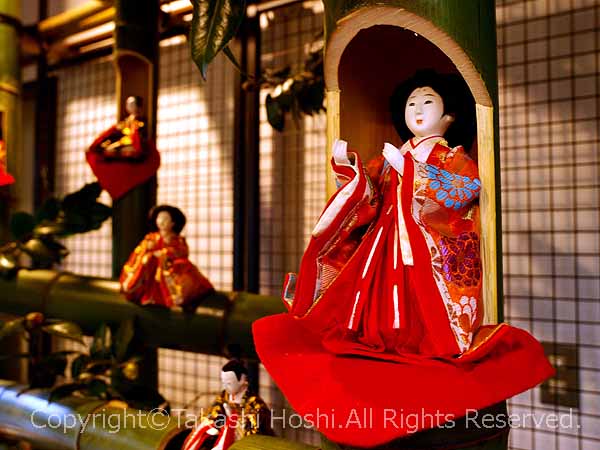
(6,178)
(367,402)
(119,177)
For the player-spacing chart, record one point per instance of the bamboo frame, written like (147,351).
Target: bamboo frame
(221,319)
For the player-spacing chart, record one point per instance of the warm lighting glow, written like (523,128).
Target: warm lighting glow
(176,6)
(89,35)
(315,5)
(175,40)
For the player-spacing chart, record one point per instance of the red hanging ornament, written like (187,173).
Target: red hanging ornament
(5,177)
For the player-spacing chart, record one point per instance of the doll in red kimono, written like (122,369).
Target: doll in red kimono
(393,273)
(158,272)
(125,140)
(400,241)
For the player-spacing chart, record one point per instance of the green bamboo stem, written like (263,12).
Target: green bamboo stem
(220,320)
(77,423)
(268,443)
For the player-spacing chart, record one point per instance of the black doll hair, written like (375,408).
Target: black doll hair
(236,366)
(458,102)
(177,217)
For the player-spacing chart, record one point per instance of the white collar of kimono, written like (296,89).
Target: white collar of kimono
(422,148)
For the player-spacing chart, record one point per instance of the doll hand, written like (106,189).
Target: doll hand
(158,253)
(394,157)
(340,154)
(212,431)
(150,244)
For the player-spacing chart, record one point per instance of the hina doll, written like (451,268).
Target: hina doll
(390,285)
(125,140)
(158,271)
(235,413)
(123,156)
(397,247)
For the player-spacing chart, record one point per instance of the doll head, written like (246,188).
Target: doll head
(234,377)
(430,103)
(133,105)
(162,217)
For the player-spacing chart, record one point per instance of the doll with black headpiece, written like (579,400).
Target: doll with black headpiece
(158,272)
(235,413)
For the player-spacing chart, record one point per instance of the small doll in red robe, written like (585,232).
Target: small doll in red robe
(234,414)
(126,140)
(393,274)
(158,271)
(123,157)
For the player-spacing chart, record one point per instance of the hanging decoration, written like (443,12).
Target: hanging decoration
(122,157)
(5,177)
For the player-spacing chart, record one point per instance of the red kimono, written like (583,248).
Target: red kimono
(168,279)
(5,177)
(393,273)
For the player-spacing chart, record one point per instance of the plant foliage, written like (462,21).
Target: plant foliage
(37,235)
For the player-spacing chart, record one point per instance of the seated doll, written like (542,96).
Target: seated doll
(127,140)
(158,272)
(389,287)
(398,246)
(233,414)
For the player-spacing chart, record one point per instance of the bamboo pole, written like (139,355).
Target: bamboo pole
(221,319)
(79,423)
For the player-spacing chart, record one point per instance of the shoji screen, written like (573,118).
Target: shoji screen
(292,172)
(549,55)
(195,138)
(86,106)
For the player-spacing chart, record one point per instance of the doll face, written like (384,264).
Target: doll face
(132,106)
(164,222)
(424,113)
(231,383)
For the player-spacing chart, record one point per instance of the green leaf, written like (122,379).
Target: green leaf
(48,211)
(64,390)
(214,24)
(40,253)
(97,388)
(87,195)
(123,339)
(275,113)
(49,228)
(21,225)
(97,367)
(78,365)
(231,57)
(12,327)
(67,330)
(101,346)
